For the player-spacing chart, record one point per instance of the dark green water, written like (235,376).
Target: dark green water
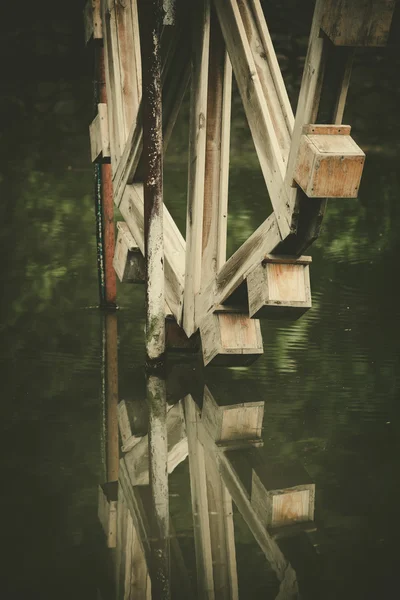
(330,381)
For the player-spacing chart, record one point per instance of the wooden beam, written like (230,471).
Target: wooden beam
(175,77)
(222,534)
(158,475)
(132,210)
(215,211)
(92,21)
(262,242)
(198,485)
(98,132)
(197,156)
(259,114)
(137,458)
(283,569)
(115,105)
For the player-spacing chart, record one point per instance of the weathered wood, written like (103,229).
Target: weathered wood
(115,106)
(92,21)
(230,339)
(132,422)
(215,211)
(137,459)
(358,22)
(198,486)
(132,577)
(282,495)
(197,158)
(279,289)
(158,474)
(329,165)
(150,25)
(258,113)
(128,262)
(237,490)
(107,511)
(222,535)
(240,423)
(175,77)
(130,67)
(237,268)
(131,209)
(98,132)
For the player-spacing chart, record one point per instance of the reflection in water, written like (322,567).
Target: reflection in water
(227,472)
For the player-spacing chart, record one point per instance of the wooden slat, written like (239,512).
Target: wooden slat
(131,209)
(127,25)
(237,490)
(240,264)
(215,212)
(201,522)
(115,106)
(223,550)
(197,156)
(92,21)
(258,114)
(175,76)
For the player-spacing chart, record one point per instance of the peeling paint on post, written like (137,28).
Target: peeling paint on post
(158,455)
(151,18)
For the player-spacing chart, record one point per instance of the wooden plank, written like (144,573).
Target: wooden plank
(215,212)
(130,66)
(113,81)
(323,129)
(98,132)
(92,21)
(175,76)
(237,267)
(111,370)
(131,209)
(197,157)
(237,490)
(273,164)
(358,22)
(222,535)
(230,339)
(269,72)
(224,423)
(201,521)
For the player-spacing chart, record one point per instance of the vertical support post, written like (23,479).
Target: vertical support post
(158,474)
(111,375)
(151,23)
(197,157)
(215,210)
(108,280)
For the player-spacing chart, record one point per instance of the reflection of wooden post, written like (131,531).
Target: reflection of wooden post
(111,374)
(201,524)
(158,455)
(220,512)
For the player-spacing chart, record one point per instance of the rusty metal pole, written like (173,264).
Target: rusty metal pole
(108,282)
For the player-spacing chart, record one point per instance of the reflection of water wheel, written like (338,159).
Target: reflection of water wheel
(302,163)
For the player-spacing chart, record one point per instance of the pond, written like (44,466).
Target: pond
(328,384)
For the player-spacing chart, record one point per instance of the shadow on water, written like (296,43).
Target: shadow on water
(328,384)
